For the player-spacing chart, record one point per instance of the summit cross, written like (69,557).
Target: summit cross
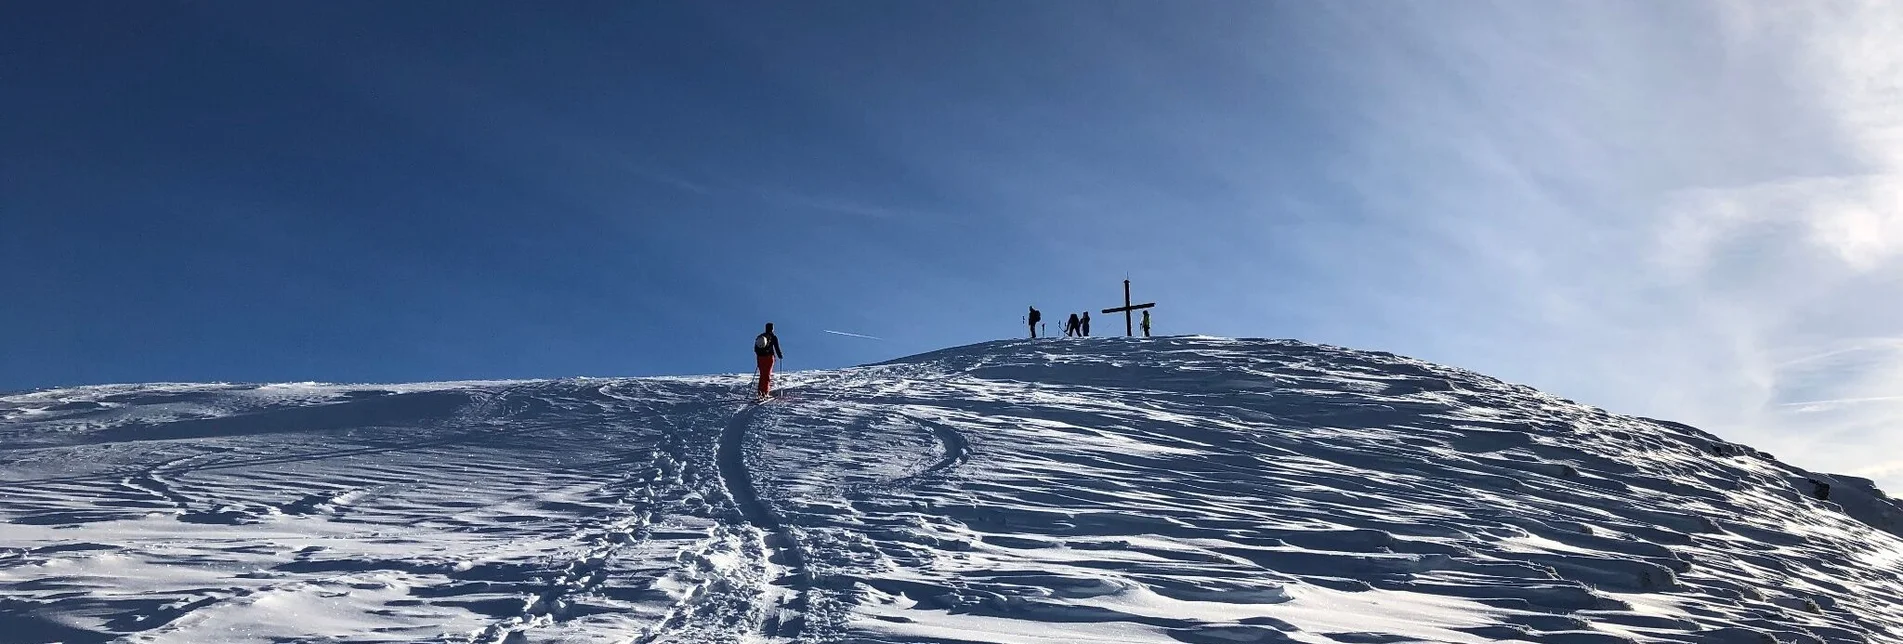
(1127,308)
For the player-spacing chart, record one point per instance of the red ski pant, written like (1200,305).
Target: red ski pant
(766,372)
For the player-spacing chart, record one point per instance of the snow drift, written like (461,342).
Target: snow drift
(1096,490)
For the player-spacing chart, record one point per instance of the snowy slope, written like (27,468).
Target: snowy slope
(1101,490)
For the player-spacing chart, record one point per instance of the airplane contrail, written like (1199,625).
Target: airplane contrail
(852,335)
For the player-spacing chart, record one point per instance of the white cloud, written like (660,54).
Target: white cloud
(1819,244)
(1692,212)
(1846,56)
(1803,258)
(1857,220)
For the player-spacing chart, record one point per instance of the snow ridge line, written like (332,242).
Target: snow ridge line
(781,543)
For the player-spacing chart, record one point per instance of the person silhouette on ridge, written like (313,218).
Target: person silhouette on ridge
(1033,318)
(1070,326)
(1146,323)
(766,349)
(1083,324)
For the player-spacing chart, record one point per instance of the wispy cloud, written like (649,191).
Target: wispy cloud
(1703,228)
(666,178)
(830,204)
(1805,257)
(851,335)
(778,199)
(1822,405)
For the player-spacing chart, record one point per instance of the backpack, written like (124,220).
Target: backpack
(760,343)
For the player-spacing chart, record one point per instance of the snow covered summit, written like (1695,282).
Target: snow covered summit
(1098,490)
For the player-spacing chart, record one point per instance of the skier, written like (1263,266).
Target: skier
(1070,326)
(1033,319)
(1146,323)
(1083,323)
(766,348)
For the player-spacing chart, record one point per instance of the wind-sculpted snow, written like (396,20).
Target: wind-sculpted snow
(1100,490)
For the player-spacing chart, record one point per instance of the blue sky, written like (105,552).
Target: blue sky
(1685,210)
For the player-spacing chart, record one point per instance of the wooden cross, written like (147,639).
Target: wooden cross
(1127,308)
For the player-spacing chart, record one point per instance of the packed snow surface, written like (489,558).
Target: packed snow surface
(1195,490)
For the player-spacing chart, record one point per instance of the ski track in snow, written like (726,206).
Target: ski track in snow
(1099,490)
